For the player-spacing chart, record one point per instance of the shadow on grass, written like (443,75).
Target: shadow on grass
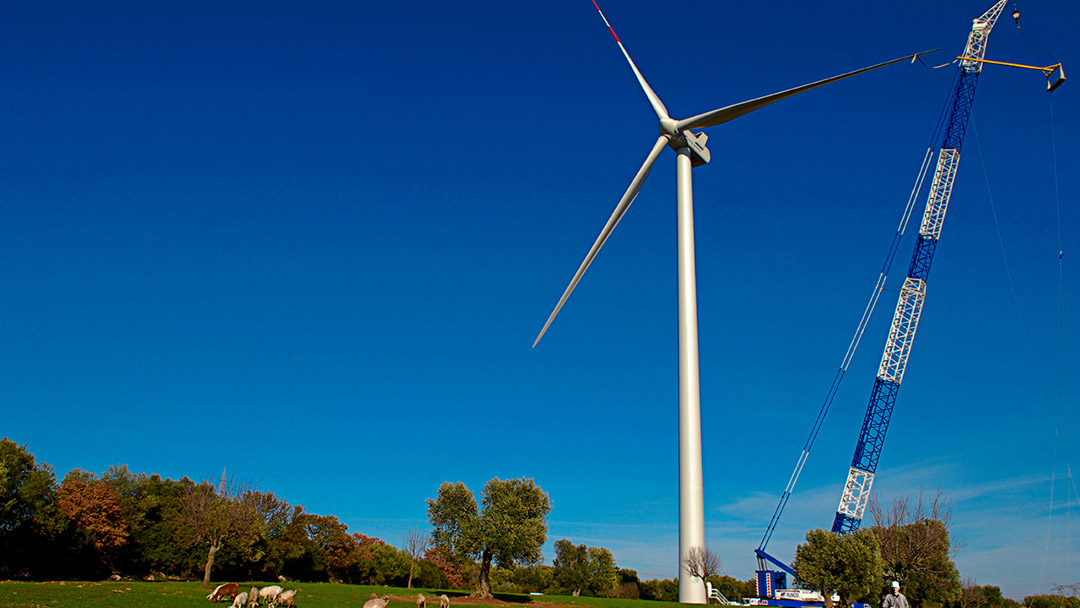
(509,598)
(514,598)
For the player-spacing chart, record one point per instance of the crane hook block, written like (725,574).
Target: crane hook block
(1052,86)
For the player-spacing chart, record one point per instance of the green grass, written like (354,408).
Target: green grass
(124,594)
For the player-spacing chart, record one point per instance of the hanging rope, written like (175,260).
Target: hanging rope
(934,67)
(868,312)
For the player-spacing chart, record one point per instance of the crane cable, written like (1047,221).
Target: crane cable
(1063,350)
(868,312)
(1023,323)
(1062,330)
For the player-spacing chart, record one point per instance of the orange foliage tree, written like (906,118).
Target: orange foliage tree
(93,506)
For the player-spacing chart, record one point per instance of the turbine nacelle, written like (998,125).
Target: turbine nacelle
(695,143)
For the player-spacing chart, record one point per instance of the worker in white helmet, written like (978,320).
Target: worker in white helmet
(895,599)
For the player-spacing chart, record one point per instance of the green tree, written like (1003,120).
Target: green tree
(571,566)
(387,566)
(603,575)
(156,526)
(429,576)
(732,588)
(507,529)
(982,596)
(628,585)
(216,518)
(286,543)
(917,549)
(27,514)
(1051,601)
(851,564)
(664,590)
(534,578)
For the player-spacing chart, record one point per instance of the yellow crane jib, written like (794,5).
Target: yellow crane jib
(1047,71)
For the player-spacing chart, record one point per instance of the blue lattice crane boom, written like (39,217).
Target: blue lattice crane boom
(772,584)
(909,305)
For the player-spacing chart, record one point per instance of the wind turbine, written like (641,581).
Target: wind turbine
(691,151)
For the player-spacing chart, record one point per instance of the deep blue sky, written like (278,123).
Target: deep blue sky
(314,243)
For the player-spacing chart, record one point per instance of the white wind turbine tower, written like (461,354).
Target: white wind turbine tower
(691,151)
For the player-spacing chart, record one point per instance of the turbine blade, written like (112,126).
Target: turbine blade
(725,114)
(613,221)
(654,100)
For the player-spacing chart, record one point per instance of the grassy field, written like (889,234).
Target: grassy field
(125,594)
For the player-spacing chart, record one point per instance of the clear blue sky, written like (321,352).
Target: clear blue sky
(314,243)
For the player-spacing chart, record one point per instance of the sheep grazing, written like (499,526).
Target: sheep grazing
(253,597)
(240,600)
(287,598)
(219,592)
(421,601)
(444,602)
(270,593)
(379,602)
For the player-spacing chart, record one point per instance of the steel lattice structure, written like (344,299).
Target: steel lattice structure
(912,295)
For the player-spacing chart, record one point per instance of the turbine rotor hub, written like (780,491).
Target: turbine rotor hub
(667,127)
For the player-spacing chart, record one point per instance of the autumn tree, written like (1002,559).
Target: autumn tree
(215,518)
(507,528)
(454,568)
(702,562)
(414,544)
(850,565)
(92,507)
(916,548)
(339,550)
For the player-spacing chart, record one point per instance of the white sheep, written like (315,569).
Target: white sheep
(287,598)
(379,602)
(444,602)
(269,593)
(240,599)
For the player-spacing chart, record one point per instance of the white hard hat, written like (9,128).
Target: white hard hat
(896,584)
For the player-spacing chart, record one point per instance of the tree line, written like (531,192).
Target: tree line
(908,543)
(90,526)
